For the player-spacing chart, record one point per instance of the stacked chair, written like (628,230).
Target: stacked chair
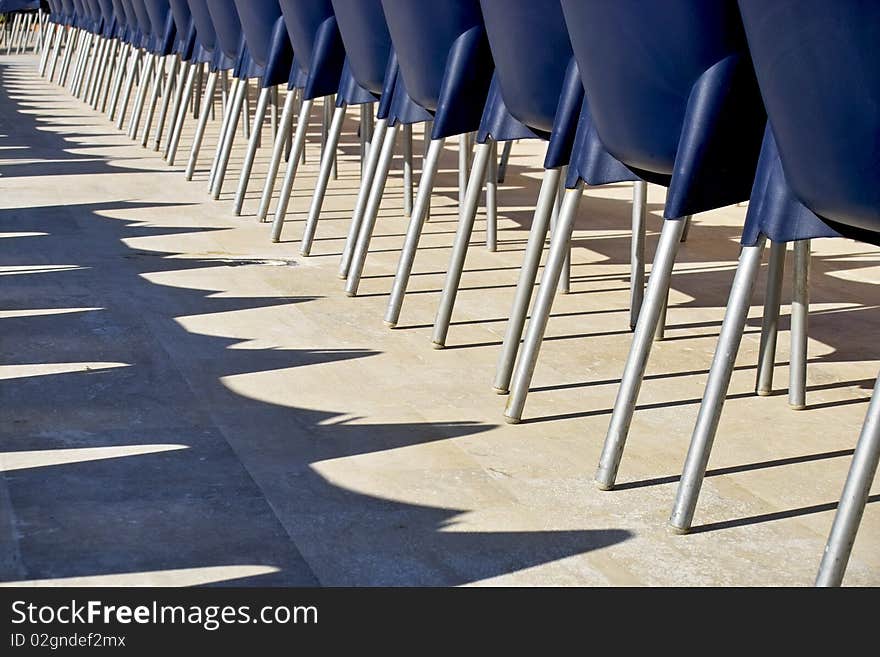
(774,103)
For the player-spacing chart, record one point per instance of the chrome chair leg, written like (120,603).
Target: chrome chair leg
(253,143)
(199,136)
(559,247)
(277,153)
(853,499)
(528,274)
(492,199)
(177,129)
(637,251)
(414,232)
(640,350)
(324,174)
(770,321)
(171,82)
(716,388)
(368,174)
(482,156)
(371,210)
(236,108)
(299,145)
(800,308)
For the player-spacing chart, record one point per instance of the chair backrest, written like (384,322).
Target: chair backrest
(159,13)
(204,24)
(302,20)
(144,24)
(131,20)
(531,50)
(818,68)
(422,34)
(639,61)
(227,26)
(366,39)
(258,18)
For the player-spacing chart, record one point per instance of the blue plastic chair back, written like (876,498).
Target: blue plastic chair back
(108,18)
(818,67)
(267,41)
(163,29)
(227,26)
(671,94)
(184,30)
(531,51)
(444,60)
(19,5)
(313,31)
(145,26)
(366,40)
(132,28)
(536,91)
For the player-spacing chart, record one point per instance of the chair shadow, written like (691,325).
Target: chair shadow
(125,448)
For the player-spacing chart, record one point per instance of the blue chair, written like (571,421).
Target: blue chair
(138,37)
(121,11)
(317,72)
(818,68)
(104,50)
(367,50)
(52,35)
(682,111)
(231,41)
(445,69)
(159,45)
(535,94)
(206,50)
(181,49)
(270,46)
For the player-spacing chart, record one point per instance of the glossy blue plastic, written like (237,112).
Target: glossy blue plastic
(444,60)
(266,37)
(818,68)
(671,94)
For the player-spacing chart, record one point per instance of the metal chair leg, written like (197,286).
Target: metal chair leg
(492,199)
(47,41)
(134,123)
(129,84)
(110,67)
(179,105)
(716,388)
(483,155)
(407,170)
(527,276)
(324,174)
(637,251)
(160,66)
(253,144)
(371,210)
(414,232)
(171,82)
(121,69)
(210,92)
(565,276)
(56,50)
(367,176)
(853,499)
(770,321)
(640,350)
(299,145)
(525,368)
(224,128)
(174,141)
(229,138)
(800,308)
(277,153)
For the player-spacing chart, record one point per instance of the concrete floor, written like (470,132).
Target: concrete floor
(184,402)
